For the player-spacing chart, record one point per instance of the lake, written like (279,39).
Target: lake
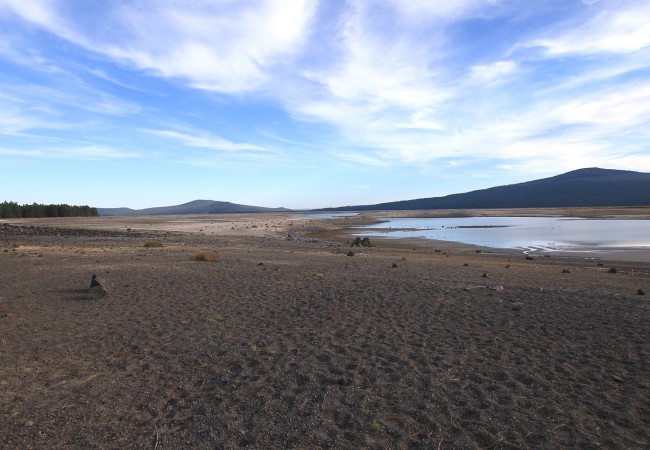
(325,215)
(527,233)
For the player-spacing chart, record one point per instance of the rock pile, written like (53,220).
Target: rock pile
(358,242)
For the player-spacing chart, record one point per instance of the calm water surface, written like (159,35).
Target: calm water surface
(326,215)
(531,233)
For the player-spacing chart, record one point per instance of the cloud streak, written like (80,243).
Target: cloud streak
(201,139)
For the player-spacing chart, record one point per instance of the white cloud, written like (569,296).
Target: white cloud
(621,29)
(226,46)
(202,139)
(624,108)
(80,96)
(419,10)
(494,72)
(381,81)
(83,152)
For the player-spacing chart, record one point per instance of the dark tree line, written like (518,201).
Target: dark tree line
(12,210)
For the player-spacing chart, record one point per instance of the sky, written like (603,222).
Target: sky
(310,104)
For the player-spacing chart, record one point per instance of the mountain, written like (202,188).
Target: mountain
(579,188)
(194,207)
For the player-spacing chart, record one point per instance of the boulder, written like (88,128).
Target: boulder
(97,289)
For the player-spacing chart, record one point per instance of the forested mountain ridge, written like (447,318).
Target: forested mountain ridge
(579,188)
(193,207)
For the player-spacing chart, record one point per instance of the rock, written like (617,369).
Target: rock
(612,270)
(289,238)
(97,288)
(516,306)
(343,381)
(358,242)
(465,265)
(529,258)
(566,271)
(640,292)
(350,253)
(496,287)
(96,292)
(485,275)
(394,265)
(94,282)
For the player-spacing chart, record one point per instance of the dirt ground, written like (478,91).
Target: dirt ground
(295,344)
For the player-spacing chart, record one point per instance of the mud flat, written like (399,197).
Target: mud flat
(294,344)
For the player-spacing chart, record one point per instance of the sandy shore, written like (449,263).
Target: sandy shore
(295,344)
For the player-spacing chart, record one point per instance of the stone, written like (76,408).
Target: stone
(516,306)
(640,292)
(612,270)
(94,282)
(358,242)
(566,271)
(350,253)
(365,242)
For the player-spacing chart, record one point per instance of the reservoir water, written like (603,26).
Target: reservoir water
(528,233)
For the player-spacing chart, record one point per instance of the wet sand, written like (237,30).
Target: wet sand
(294,344)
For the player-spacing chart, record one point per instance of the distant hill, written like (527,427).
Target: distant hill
(579,188)
(194,207)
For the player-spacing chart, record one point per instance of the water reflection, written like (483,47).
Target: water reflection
(325,215)
(547,233)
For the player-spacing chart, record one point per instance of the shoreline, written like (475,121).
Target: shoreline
(341,229)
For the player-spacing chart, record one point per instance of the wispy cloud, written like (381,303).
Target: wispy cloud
(202,139)
(83,152)
(220,46)
(622,29)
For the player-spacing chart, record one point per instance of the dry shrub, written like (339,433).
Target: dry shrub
(153,244)
(206,256)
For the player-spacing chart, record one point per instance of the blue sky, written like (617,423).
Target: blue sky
(308,104)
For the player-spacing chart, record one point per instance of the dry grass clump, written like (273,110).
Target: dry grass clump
(206,256)
(153,244)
